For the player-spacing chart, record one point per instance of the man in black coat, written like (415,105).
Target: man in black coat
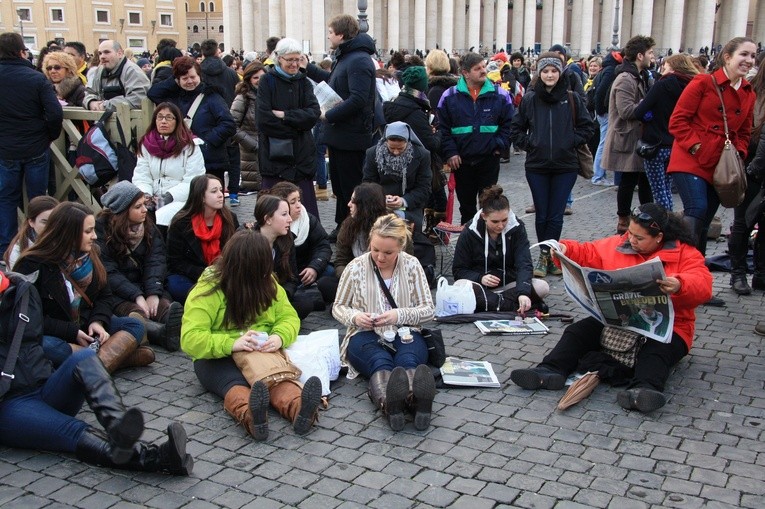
(349,124)
(30,119)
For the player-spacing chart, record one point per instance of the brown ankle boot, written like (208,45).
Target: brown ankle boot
(249,407)
(142,356)
(117,349)
(623,225)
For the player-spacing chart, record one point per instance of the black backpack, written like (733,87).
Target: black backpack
(99,159)
(23,363)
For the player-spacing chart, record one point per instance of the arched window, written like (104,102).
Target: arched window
(187,7)
(220,29)
(201,7)
(195,29)
(212,7)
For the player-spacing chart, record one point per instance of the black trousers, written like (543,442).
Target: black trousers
(234,167)
(345,170)
(630,179)
(219,375)
(654,361)
(738,242)
(471,178)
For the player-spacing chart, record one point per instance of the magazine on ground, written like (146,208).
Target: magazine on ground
(468,373)
(628,298)
(516,327)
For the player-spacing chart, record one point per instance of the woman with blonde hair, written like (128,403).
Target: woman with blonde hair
(383,297)
(61,70)
(654,111)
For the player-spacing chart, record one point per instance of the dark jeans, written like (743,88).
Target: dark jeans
(58,351)
(700,202)
(367,355)
(345,171)
(652,368)
(179,287)
(738,242)
(471,178)
(234,167)
(550,192)
(44,419)
(219,375)
(14,175)
(627,184)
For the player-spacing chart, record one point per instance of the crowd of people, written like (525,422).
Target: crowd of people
(168,263)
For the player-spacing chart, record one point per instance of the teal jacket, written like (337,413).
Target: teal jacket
(203,335)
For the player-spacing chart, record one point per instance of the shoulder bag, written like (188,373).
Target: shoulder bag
(729,178)
(621,344)
(583,153)
(11,350)
(433,337)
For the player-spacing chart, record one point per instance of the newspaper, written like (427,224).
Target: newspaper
(519,326)
(327,97)
(629,298)
(468,373)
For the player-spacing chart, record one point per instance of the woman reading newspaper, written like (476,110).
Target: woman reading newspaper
(653,233)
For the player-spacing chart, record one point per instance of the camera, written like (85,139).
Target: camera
(95,345)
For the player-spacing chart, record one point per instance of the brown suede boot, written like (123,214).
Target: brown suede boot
(142,356)
(301,407)
(117,349)
(249,407)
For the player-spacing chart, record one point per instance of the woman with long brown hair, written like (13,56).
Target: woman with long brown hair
(134,255)
(236,324)
(38,211)
(168,159)
(76,298)
(244,109)
(197,234)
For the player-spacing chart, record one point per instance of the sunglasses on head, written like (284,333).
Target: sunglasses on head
(645,219)
(53,68)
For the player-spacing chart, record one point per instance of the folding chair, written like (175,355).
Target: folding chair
(444,231)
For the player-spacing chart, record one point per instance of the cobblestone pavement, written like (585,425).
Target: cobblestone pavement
(487,448)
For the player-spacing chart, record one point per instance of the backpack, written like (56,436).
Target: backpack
(99,160)
(22,361)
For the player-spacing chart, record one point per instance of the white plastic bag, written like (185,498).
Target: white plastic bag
(456,299)
(317,354)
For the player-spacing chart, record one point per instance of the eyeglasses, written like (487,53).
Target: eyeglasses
(291,60)
(53,68)
(168,118)
(645,219)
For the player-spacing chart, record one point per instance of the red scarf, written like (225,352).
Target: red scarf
(208,237)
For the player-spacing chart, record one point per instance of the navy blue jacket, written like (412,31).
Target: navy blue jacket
(657,106)
(544,128)
(350,123)
(474,130)
(30,114)
(212,122)
(220,77)
(603,82)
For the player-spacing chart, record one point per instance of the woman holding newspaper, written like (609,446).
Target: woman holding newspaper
(653,233)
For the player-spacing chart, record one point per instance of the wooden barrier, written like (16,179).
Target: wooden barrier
(66,175)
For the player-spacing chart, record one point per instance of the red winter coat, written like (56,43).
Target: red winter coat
(680,260)
(697,118)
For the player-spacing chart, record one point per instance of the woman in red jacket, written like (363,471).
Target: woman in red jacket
(698,128)
(652,233)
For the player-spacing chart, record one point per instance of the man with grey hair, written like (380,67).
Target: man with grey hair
(117,80)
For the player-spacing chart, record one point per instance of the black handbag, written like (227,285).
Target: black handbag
(280,149)
(646,150)
(433,337)
(11,350)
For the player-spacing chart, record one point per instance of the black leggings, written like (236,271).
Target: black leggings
(219,375)
(630,179)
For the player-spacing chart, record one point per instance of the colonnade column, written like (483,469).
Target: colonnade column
(292,23)
(274,18)
(447,23)
(517,26)
(247,20)
(487,24)
(606,24)
(459,25)
(758,31)
(500,30)
(529,23)
(736,15)
(587,13)
(431,29)
(705,22)
(393,24)
(547,25)
(420,10)
(575,37)
(318,29)
(232,37)
(673,18)
(474,25)
(559,11)
(642,18)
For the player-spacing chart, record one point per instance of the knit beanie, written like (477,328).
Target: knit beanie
(553,61)
(119,197)
(415,77)
(143,61)
(501,56)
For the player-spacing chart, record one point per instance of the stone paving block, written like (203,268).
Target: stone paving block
(28,501)
(97,501)
(535,501)
(681,486)
(592,498)
(625,503)
(289,495)
(318,500)
(359,494)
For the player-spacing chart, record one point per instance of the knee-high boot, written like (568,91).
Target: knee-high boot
(301,407)
(117,349)
(249,407)
(395,398)
(422,391)
(697,229)
(123,426)
(167,331)
(169,457)
(378,384)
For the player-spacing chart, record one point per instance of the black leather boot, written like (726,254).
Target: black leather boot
(422,391)
(739,283)
(167,332)
(123,426)
(395,398)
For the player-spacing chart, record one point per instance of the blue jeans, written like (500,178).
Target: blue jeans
(700,202)
(549,192)
(661,182)
(321,150)
(44,419)
(179,287)
(367,355)
(58,351)
(598,172)
(13,175)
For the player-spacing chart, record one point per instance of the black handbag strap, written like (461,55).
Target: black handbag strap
(384,287)
(7,376)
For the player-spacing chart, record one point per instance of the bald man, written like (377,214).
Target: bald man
(117,80)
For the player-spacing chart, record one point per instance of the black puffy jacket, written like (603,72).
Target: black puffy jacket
(220,77)
(415,112)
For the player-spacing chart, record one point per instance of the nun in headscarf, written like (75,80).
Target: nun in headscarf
(401,165)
